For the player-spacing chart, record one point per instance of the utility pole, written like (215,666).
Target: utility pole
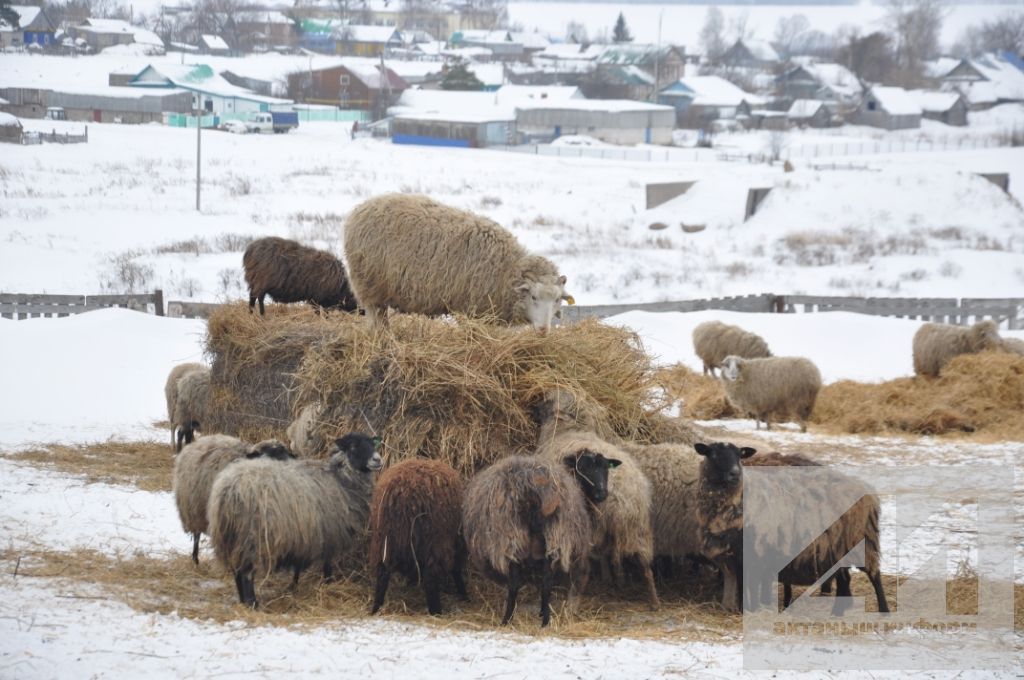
(657,59)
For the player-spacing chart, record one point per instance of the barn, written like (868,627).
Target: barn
(615,121)
(946,107)
(889,108)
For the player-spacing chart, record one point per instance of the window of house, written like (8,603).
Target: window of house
(872,106)
(344,79)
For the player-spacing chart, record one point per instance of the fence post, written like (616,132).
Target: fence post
(158,301)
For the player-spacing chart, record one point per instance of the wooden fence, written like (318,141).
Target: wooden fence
(64,137)
(22,306)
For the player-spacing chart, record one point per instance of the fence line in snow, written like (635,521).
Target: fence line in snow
(31,306)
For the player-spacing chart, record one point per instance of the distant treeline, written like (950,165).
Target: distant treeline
(751,3)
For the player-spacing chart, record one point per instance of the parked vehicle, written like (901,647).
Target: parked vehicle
(272,121)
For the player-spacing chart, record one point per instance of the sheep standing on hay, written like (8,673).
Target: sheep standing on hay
(937,343)
(171,394)
(288,271)
(713,341)
(303,435)
(266,515)
(773,388)
(415,529)
(192,406)
(1013,346)
(622,523)
(524,511)
(720,512)
(419,256)
(197,466)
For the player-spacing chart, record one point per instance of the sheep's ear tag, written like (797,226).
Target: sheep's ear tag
(570,300)
(376,443)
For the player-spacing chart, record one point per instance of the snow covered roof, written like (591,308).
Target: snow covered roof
(370,75)
(483,36)
(214,42)
(198,77)
(837,77)
(369,34)
(263,17)
(630,53)
(804,108)
(896,101)
(488,74)
(1007,81)
(468,53)
(141,35)
(7,120)
(493,116)
(605,105)
(937,68)
(761,49)
(26,15)
(513,95)
(531,41)
(446,104)
(712,91)
(570,51)
(930,100)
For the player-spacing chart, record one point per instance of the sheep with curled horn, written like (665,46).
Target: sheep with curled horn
(525,514)
(288,271)
(266,515)
(720,513)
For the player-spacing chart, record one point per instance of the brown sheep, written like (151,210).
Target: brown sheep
(171,394)
(936,343)
(420,256)
(713,341)
(288,271)
(720,513)
(415,529)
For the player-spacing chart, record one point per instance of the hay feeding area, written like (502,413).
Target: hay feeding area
(981,394)
(146,465)
(460,390)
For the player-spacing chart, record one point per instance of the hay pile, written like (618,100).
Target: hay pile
(975,393)
(982,393)
(461,391)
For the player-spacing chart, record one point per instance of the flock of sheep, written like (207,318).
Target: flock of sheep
(579,501)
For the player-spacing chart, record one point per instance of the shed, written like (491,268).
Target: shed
(810,113)
(889,108)
(213,44)
(946,107)
(10,129)
(615,121)
(469,129)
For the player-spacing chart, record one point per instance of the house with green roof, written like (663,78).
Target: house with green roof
(210,90)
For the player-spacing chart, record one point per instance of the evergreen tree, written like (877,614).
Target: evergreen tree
(8,16)
(459,77)
(620,33)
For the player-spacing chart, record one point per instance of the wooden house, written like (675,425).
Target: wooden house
(34,28)
(352,84)
(889,108)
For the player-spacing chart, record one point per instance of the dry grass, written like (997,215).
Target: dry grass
(459,391)
(147,465)
(979,394)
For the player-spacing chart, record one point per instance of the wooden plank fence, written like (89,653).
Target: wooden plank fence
(28,306)
(181,309)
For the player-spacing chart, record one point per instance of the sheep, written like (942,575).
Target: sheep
(415,529)
(1013,345)
(288,271)
(192,407)
(171,394)
(524,510)
(720,512)
(713,341)
(622,523)
(772,388)
(935,344)
(196,467)
(417,255)
(266,515)
(306,441)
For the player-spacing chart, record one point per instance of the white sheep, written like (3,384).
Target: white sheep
(937,343)
(772,388)
(713,341)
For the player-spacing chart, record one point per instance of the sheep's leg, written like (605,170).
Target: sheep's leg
(728,588)
(826,587)
(262,298)
(579,577)
(652,591)
(617,571)
(460,582)
(180,435)
(195,547)
(246,589)
(545,592)
(514,581)
(876,582)
(296,572)
(252,302)
(842,590)
(383,576)
(787,594)
(432,587)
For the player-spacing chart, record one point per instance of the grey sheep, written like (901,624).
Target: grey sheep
(171,395)
(303,433)
(622,523)
(713,341)
(1013,346)
(720,512)
(197,466)
(288,271)
(266,515)
(420,256)
(773,388)
(192,407)
(525,512)
(937,343)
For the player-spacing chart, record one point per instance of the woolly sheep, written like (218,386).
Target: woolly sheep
(415,529)
(935,344)
(288,271)
(720,512)
(266,515)
(171,394)
(303,434)
(622,523)
(713,341)
(1013,346)
(192,407)
(773,388)
(524,510)
(196,467)
(417,255)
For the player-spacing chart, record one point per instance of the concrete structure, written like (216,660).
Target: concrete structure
(612,121)
(946,107)
(34,28)
(889,108)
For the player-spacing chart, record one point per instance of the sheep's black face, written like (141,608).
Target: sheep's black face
(591,472)
(271,448)
(361,452)
(721,466)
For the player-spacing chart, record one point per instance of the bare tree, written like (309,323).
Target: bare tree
(712,35)
(739,26)
(869,57)
(915,26)
(1004,33)
(576,32)
(489,14)
(790,32)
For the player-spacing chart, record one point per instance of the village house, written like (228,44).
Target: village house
(889,108)
(750,53)
(261,31)
(699,100)
(986,81)
(825,81)
(100,34)
(502,45)
(213,44)
(946,107)
(210,91)
(812,113)
(34,28)
(366,41)
(353,84)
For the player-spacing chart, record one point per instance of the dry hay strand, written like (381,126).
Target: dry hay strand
(459,390)
(975,393)
(147,465)
(703,397)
